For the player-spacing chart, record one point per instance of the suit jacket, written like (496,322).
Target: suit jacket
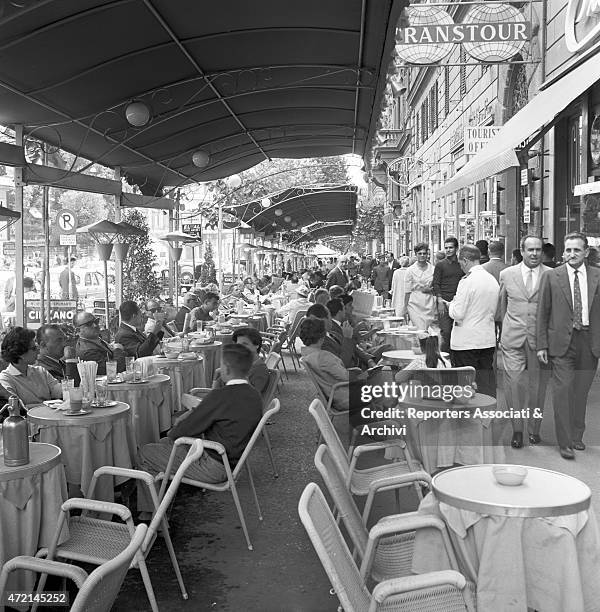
(516,309)
(180,317)
(351,354)
(382,277)
(555,311)
(100,352)
(336,277)
(135,343)
(395,266)
(341,347)
(56,367)
(494,267)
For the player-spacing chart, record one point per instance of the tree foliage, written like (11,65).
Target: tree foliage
(208,274)
(140,281)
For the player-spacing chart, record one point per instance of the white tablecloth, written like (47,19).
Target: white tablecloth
(88,442)
(548,564)
(30,501)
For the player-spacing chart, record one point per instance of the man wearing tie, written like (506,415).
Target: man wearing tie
(517,309)
(134,342)
(568,333)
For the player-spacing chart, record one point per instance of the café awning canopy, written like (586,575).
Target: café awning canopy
(539,114)
(210,89)
(300,207)
(102,231)
(322,231)
(179,237)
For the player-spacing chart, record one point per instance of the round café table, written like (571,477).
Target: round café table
(443,442)
(30,499)
(185,373)
(536,545)
(150,402)
(102,437)
(398,357)
(401,338)
(211,353)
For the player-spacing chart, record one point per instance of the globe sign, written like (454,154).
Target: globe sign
(429,53)
(494,51)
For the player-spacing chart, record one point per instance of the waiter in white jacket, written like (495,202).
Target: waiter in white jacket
(473,338)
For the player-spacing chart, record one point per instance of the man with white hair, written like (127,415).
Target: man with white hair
(337,275)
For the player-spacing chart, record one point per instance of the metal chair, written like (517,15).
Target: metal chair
(447,590)
(98,590)
(362,482)
(268,395)
(386,550)
(97,541)
(232,476)
(292,334)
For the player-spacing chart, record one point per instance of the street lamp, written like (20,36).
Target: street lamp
(175,251)
(104,234)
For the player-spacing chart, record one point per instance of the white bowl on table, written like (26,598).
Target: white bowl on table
(509,475)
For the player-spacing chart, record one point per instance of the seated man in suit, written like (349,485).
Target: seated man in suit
(51,340)
(342,347)
(134,342)
(228,415)
(91,347)
(190,301)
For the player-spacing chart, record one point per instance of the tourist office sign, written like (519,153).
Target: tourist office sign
(490,32)
(477,136)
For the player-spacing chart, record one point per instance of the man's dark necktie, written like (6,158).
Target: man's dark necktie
(577,305)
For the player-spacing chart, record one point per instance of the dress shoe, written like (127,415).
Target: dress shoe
(534,439)
(517,439)
(580,446)
(567,453)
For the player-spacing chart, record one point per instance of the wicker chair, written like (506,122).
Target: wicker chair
(232,476)
(97,541)
(98,590)
(386,551)
(362,482)
(436,591)
(267,396)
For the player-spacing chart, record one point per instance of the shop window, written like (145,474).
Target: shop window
(446,91)
(425,120)
(433,108)
(462,73)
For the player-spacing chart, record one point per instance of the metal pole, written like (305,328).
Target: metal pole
(46,223)
(176,280)
(105,290)
(220,247)
(69,273)
(118,262)
(193,245)
(19,304)
(171,264)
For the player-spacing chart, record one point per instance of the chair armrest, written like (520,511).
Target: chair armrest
(207,444)
(93,505)
(394,524)
(200,391)
(45,566)
(373,446)
(388,588)
(392,482)
(125,472)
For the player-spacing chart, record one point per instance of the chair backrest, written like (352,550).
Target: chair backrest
(332,550)
(463,377)
(317,409)
(172,327)
(271,388)
(99,591)
(165,498)
(273,359)
(271,410)
(295,326)
(334,481)
(320,393)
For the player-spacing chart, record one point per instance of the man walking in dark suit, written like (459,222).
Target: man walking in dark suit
(568,333)
(337,275)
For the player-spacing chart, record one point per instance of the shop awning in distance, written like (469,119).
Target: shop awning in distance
(499,154)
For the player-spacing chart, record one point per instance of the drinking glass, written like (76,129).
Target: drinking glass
(137,371)
(75,399)
(101,392)
(185,344)
(111,370)
(129,362)
(67,385)
(199,326)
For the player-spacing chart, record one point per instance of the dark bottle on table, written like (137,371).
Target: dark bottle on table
(15,438)
(71,370)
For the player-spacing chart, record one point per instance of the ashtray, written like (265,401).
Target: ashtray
(509,475)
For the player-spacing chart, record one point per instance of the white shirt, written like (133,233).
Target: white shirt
(237,381)
(473,310)
(536,275)
(582,274)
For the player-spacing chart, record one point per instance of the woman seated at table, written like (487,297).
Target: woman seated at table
(327,368)
(430,358)
(258,376)
(30,383)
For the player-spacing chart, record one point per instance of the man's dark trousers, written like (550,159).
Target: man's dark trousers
(483,361)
